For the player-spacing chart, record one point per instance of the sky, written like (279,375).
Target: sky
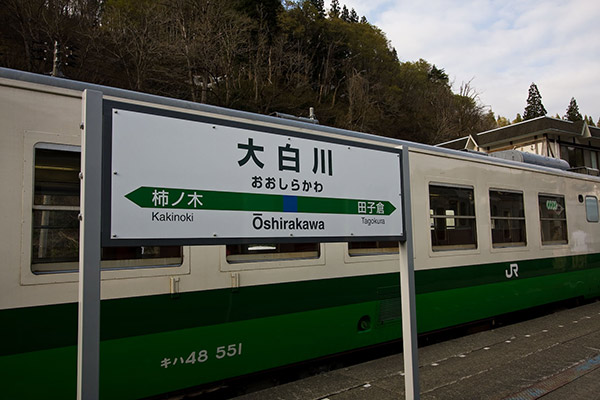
(501,47)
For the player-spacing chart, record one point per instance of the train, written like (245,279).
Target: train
(489,237)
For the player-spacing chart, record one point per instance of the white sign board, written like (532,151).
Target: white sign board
(176,176)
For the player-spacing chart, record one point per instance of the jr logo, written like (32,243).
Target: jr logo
(512,271)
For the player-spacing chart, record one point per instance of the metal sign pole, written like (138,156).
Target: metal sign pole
(407,292)
(88,346)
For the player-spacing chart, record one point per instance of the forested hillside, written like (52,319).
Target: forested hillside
(263,56)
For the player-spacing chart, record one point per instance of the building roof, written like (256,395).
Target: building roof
(527,129)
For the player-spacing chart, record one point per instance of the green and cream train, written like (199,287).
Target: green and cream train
(490,237)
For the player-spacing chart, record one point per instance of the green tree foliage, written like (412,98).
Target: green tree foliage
(534,107)
(573,113)
(255,55)
(345,14)
(589,121)
(265,12)
(502,121)
(319,6)
(517,119)
(437,75)
(334,9)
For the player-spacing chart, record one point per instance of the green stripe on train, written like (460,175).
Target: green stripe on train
(157,362)
(153,314)
(150,364)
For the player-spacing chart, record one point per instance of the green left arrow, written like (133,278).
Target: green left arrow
(191,199)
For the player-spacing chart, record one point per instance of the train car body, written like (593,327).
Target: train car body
(489,237)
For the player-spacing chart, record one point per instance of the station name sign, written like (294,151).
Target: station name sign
(173,177)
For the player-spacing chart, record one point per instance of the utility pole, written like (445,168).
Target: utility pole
(56,64)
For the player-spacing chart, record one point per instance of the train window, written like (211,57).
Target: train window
(239,253)
(507,218)
(55,230)
(452,218)
(591,208)
(553,219)
(372,248)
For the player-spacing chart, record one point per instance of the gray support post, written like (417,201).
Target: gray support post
(88,348)
(407,292)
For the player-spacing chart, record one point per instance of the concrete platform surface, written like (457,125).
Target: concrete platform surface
(556,357)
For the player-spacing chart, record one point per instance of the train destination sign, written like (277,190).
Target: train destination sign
(180,177)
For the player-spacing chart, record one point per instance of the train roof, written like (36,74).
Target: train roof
(11,74)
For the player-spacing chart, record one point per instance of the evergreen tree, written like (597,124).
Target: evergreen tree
(518,118)
(334,9)
(353,16)
(589,120)
(534,108)
(438,75)
(363,20)
(502,121)
(320,7)
(573,113)
(267,10)
(345,15)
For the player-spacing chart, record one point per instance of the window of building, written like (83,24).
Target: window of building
(579,157)
(587,158)
(553,219)
(452,217)
(576,157)
(372,248)
(593,155)
(55,230)
(507,219)
(591,208)
(239,253)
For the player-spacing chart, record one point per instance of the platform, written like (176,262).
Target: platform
(556,356)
